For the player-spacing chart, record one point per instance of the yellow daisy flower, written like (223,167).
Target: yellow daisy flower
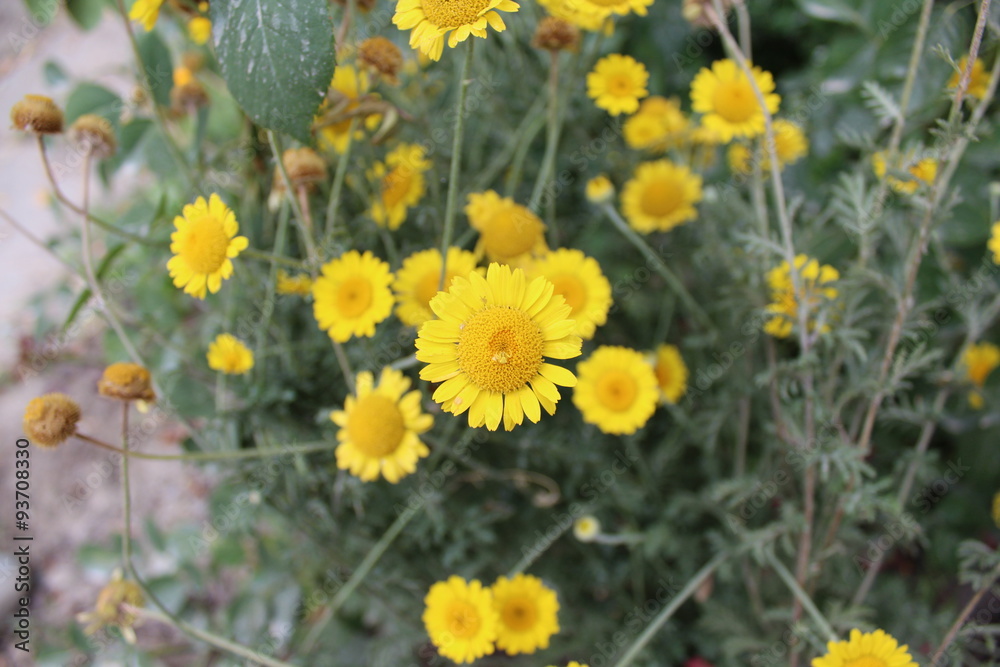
(600,190)
(726,97)
(300,285)
(199,29)
(146,12)
(418,279)
(204,245)
(602,10)
(740,158)
(227,354)
(870,649)
(348,87)
(379,428)
(580,14)
(508,232)
(979,81)
(617,390)
(671,373)
(790,144)
(815,281)
(400,184)
(352,295)
(617,84)
(432,20)
(528,613)
(489,347)
(923,171)
(979,361)
(994,243)
(579,280)
(460,619)
(659,124)
(660,196)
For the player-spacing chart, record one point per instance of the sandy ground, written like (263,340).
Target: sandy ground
(75,490)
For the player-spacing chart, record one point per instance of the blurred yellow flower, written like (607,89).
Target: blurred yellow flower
(602,10)
(352,295)
(923,171)
(671,373)
(586,528)
(400,184)
(380,428)
(659,124)
(508,232)
(979,81)
(432,20)
(146,12)
(726,97)
(460,619)
(994,243)
(418,279)
(979,361)
(869,649)
(228,354)
(600,190)
(489,346)
(616,390)
(996,509)
(815,283)
(617,83)
(199,29)
(660,196)
(300,285)
(347,88)
(527,612)
(579,280)
(204,246)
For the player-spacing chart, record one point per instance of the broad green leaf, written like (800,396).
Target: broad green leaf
(42,13)
(277,58)
(156,59)
(86,13)
(91,98)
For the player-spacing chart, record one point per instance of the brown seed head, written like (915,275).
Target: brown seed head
(93,134)
(38,114)
(304,166)
(126,382)
(554,34)
(382,56)
(50,419)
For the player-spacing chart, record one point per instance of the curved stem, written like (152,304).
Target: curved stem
(333,206)
(456,162)
(196,457)
(957,625)
(801,596)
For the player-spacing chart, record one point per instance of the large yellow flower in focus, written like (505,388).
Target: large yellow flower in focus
(460,619)
(432,20)
(528,614)
(489,347)
(508,232)
(204,245)
(579,280)
(352,295)
(726,97)
(146,12)
(418,279)
(617,83)
(379,428)
(869,649)
(617,390)
(660,196)
(400,184)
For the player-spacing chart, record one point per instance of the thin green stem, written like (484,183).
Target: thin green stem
(655,263)
(689,589)
(333,205)
(801,596)
(301,221)
(158,115)
(199,457)
(456,162)
(272,257)
(359,574)
(968,609)
(345,365)
(126,494)
(544,180)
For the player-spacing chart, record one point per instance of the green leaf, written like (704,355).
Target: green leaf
(42,11)
(277,58)
(91,98)
(78,305)
(86,13)
(54,74)
(156,59)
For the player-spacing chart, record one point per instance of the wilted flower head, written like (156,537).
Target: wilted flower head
(108,611)
(93,134)
(555,34)
(381,55)
(38,114)
(50,419)
(126,382)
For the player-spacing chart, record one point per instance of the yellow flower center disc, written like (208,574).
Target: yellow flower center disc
(865,661)
(500,348)
(203,245)
(661,198)
(572,289)
(463,619)
(354,296)
(621,85)
(519,614)
(395,186)
(735,101)
(376,426)
(453,13)
(617,390)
